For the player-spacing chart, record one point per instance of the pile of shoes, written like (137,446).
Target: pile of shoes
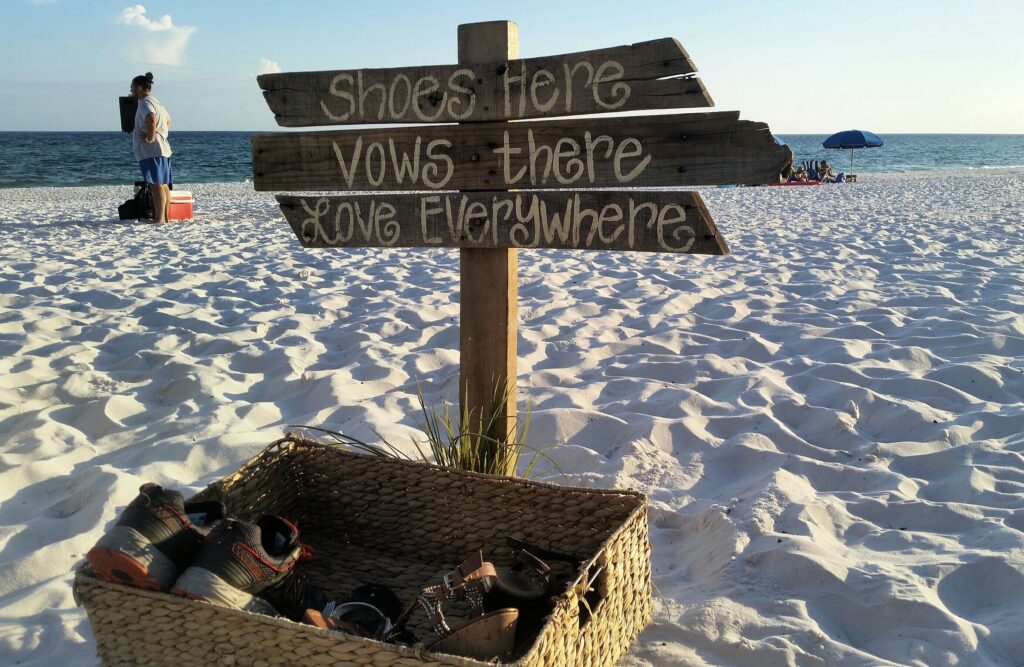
(196,550)
(508,605)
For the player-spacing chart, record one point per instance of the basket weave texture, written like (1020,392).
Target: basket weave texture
(402,524)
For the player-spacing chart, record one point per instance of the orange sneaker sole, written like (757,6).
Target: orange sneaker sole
(119,568)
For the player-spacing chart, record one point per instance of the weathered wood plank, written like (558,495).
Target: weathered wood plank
(619,220)
(489,299)
(622,78)
(629,151)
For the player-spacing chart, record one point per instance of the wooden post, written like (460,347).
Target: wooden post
(489,281)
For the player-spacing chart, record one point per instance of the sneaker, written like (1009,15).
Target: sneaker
(245,565)
(293,595)
(154,539)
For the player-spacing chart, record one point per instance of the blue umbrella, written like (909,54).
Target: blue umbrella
(853,139)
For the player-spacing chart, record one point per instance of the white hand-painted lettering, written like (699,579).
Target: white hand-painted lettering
(552,229)
(620,154)
(669,215)
(522,96)
(609,213)
(591,147)
(425,222)
(431,169)
(376,227)
(509,80)
(455,222)
(311,229)
(512,219)
(570,72)
(365,92)
(389,229)
(563,161)
(343,94)
(423,88)
(466,98)
(403,166)
(364,96)
(406,99)
(573,166)
(505,153)
(375,157)
(541,79)
(348,170)
(620,91)
(391,100)
(373,163)
(519,233)
(476,211)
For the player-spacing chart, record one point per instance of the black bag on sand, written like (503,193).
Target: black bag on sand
(138,207)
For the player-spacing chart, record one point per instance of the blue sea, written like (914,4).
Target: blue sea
(47,159)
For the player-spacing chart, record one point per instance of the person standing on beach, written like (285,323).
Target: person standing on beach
(150,145)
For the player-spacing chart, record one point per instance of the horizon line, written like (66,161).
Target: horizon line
(291,130)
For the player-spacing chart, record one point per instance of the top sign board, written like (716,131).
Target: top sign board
(649,75)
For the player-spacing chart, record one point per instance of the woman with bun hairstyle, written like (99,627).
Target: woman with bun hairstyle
(149,142)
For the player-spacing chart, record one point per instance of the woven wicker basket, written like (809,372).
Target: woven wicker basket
(399,523)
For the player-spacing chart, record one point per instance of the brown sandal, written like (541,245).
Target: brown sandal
(486,635)
(531,584)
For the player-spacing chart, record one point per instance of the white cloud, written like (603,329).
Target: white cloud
(268,66)
(166,45)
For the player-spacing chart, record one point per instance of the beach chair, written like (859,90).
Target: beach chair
(811,167)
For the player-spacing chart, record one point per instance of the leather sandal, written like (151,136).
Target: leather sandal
(527,581)
(487,634)
(575,573)
(531,584)
(491,635)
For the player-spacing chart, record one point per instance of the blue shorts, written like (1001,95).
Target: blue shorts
(156,170)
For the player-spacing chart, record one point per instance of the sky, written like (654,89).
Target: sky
(892,66)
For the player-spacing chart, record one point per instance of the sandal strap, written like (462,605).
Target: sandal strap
(536,565)
(532,560)
(541,552)
(473,569)
(470,581)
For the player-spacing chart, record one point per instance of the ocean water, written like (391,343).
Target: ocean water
(47,159)
(916,152)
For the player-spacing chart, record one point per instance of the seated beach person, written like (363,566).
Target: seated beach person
(826,173)
(799,174)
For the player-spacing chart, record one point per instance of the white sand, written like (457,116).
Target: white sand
(828,422)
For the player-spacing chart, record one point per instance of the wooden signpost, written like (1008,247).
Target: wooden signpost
(489,187)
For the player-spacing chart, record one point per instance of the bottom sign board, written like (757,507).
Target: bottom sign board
(621,220)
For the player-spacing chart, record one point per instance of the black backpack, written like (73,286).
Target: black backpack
(138,207)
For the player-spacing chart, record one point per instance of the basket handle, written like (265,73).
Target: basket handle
(586,589)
